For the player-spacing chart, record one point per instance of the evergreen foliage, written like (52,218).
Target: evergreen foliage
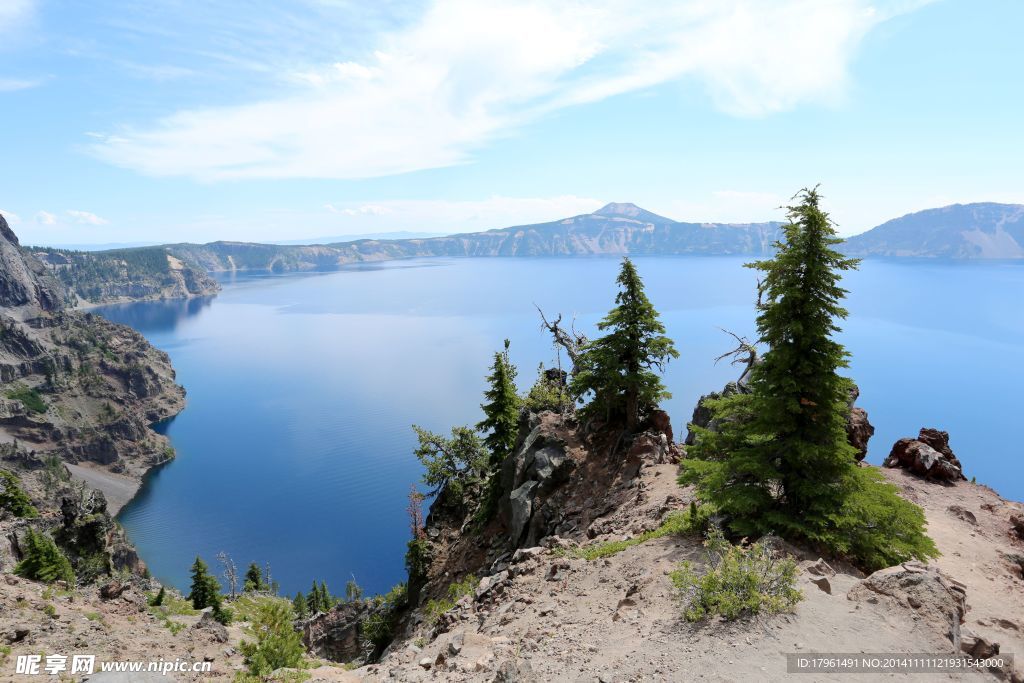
(618,369)
(158,599)
(501,411)
(300,606)
(205,590)
(277,645)
(453,462)
(547,393)
(738,581)
(779,460)
(43,561)
(353,591)
(253,580)
(13,498)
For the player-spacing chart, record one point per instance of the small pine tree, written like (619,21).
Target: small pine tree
(300,606)
(501,411)
(43,561)
(313,599)
(205,590)
(13,498)
(451,463)
(253,579)
(158,599)
(618,369)
(353,591)
(326,600)
(277,645)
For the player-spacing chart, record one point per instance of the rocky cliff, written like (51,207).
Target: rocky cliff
(78,396)
(147,273)
(960,231)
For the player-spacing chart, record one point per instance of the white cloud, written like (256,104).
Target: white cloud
(46,218)
(439,215)
(14,84)
(86,218)
(469,71)
(12,218)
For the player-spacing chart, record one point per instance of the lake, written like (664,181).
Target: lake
(296,448)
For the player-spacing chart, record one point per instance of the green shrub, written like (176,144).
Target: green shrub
(277,644)
(13,498)
(29,397)
(158,599)
(417,558)
(739,581)
(43,560)
(378,628)
(456,591)
(546,394)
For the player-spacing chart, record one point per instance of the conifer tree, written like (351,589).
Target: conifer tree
(501,411)
(779,460)
(205,590)
(253,579)
(313,599)
(618,369)
(300,606)
(13,498)
(43,561)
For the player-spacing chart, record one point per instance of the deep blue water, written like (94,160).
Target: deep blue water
(295,447)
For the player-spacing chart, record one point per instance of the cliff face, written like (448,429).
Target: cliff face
(617,229)
(125,274)
(78,395)
(960,231)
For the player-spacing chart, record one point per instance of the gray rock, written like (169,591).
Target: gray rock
(521,505)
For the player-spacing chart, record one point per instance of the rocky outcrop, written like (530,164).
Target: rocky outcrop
(929,456)
(337,635)
(939,603)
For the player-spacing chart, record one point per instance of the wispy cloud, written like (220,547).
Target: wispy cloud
(14,84)
(86,217)
(364,210)
(469,71)
(12,218)
(46,218)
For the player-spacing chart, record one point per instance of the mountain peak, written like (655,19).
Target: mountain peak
(620,209)
(630,210)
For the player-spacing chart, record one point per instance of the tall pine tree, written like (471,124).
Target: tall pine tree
(501,412)
(254,579)
(618,369)
(779,460)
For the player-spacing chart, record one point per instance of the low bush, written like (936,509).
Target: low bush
(435,608)
(277,644)
(29,397)
(676,523)
(739,580)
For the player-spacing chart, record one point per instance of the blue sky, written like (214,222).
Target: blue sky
(173,120)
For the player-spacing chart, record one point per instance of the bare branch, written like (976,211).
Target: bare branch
(571,340)
(745,353)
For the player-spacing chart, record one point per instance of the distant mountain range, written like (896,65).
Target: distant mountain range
(961,231)
(612,230)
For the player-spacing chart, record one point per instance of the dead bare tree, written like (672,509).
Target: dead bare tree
(745,353)
(571,340)
(230,572)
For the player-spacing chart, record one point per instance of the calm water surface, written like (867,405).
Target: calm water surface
(295,448)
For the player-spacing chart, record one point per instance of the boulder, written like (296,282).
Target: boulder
(660,422)
(939,603)
(211,627)
(1017,526)
(113,589)
(929,455)
(521,507)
